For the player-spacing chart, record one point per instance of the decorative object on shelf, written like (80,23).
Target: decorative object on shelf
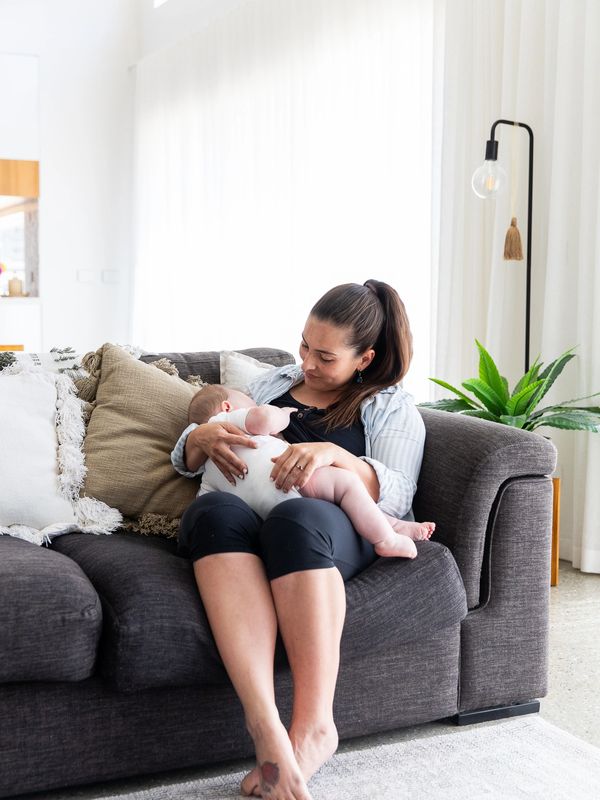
(15,287)
(488,180)
(493,400)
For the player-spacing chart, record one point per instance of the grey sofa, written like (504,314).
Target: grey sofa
(108,668)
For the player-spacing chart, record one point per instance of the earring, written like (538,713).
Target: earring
(359,377)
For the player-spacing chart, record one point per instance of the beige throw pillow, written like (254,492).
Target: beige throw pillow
(139,414)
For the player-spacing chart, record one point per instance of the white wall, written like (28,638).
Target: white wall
(20,99)
(176,20)
(85,49)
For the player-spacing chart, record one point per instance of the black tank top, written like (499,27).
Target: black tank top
(306,425)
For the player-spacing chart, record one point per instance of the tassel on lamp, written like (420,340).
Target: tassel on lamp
(513,249)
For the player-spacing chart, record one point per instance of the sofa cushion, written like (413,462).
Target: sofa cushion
(41,458)
(50,615)
(139,414)
(207,363)
(156,631)
(398,600)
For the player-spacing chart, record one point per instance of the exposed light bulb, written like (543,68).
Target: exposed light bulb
(488,179)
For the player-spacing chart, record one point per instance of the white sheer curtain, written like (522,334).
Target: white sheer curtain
(536,61)
(284,149)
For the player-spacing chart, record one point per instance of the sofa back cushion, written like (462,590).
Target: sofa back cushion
(206,364)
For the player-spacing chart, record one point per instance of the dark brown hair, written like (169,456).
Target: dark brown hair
(375,318)
(206,403)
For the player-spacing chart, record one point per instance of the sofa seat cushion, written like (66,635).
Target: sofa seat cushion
(155,629)
(50,615)
(398,600)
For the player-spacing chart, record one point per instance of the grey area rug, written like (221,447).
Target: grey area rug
(520,758)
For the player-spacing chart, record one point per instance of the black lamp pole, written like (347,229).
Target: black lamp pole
(491,154)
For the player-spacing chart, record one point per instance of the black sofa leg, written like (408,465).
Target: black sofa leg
(496,712)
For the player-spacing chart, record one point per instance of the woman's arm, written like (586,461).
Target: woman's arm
(312,455)
(396,454)
(390,470)
(212,440)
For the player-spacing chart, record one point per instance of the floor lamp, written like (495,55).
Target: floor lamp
(487,181)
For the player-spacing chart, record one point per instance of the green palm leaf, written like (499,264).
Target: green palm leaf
(481,413)
(569,420)
(448,404)
(577,399)
(451,388)
(529,377)
(563,407)
(549,375)
(518,403)
(515,421)
(486,394)
(488,373)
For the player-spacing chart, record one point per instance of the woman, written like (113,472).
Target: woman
(288,571)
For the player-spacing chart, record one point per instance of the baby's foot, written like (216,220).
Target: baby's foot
(313,746)
(277,774)
(417,531)
(397,545)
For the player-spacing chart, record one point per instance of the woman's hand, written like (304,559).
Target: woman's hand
(214,440)
(294,467)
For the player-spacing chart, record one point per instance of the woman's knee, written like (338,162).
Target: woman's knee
(295,536)
(218,522)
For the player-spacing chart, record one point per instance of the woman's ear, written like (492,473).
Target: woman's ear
(366,359)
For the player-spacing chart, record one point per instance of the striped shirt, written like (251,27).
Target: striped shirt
(394,437)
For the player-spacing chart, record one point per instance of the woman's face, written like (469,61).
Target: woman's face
(327,361)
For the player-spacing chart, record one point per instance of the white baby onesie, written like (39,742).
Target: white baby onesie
(257,489)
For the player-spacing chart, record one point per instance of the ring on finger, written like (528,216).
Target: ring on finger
(299,466)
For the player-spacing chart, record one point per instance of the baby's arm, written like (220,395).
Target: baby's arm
(267,420)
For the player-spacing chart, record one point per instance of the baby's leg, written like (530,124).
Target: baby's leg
(345,489)
(417,531)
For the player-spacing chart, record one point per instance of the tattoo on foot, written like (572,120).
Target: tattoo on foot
(269,773)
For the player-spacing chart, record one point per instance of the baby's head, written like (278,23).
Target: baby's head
(214,398)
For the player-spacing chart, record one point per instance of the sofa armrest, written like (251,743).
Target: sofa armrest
(467,465)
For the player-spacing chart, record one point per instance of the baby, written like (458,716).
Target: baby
(216,403)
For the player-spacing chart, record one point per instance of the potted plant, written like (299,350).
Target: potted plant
(494,401)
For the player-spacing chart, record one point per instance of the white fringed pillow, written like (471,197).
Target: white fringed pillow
(41,459)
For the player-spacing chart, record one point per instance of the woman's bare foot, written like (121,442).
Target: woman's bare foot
(313,746)
(417,531)
(277,774)
(396,546)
